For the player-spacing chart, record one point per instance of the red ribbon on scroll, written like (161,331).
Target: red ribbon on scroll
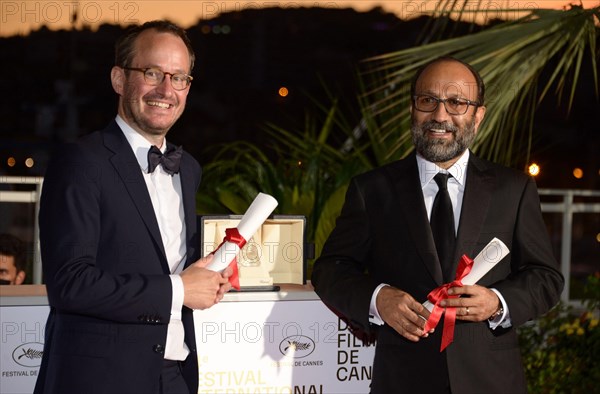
(233,235)
(441,293)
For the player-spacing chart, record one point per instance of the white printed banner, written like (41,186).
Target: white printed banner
(22,344)
(291,347)
(259,347)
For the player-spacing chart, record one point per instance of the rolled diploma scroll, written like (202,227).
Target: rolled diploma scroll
(491,255)
(260,209)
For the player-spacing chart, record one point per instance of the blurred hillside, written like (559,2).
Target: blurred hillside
(59,87)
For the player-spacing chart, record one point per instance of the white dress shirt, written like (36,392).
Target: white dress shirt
(456,190)
(166,196)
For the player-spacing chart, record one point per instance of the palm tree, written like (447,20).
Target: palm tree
(308,176)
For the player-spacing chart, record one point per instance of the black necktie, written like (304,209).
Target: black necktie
(442,225)
(170,160)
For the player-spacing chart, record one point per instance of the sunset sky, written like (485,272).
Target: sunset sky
(20,17)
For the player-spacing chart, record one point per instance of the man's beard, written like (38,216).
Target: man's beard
(439,150)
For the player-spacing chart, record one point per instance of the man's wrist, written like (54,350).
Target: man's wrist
(499,312)
(374,317)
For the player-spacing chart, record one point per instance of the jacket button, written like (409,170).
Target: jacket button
(159,349)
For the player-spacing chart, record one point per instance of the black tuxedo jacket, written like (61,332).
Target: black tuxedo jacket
(383,236)
(106,272)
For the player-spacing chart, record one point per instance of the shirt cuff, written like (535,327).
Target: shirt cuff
(175,347)
(177,299)
(374,317)
(502,320)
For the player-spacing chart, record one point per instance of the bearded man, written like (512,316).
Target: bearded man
(402,231)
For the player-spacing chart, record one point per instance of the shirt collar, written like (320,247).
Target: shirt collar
(428,169)
(139,144)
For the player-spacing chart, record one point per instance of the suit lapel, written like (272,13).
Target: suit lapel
(188,192)
(476,203)
(128,169)
(410,201)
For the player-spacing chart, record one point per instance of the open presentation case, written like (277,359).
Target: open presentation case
(275,255)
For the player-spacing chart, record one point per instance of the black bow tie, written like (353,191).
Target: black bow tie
(170,160)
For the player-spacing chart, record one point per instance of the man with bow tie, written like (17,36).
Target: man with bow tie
(118,236)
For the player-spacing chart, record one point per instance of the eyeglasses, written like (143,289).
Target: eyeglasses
(155,76)
(454,106)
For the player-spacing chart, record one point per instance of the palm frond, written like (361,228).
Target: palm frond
(511,57)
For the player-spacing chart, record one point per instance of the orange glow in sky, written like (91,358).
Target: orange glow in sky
(20,17)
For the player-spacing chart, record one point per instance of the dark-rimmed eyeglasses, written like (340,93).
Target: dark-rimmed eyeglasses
(155,76)
(454,106)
